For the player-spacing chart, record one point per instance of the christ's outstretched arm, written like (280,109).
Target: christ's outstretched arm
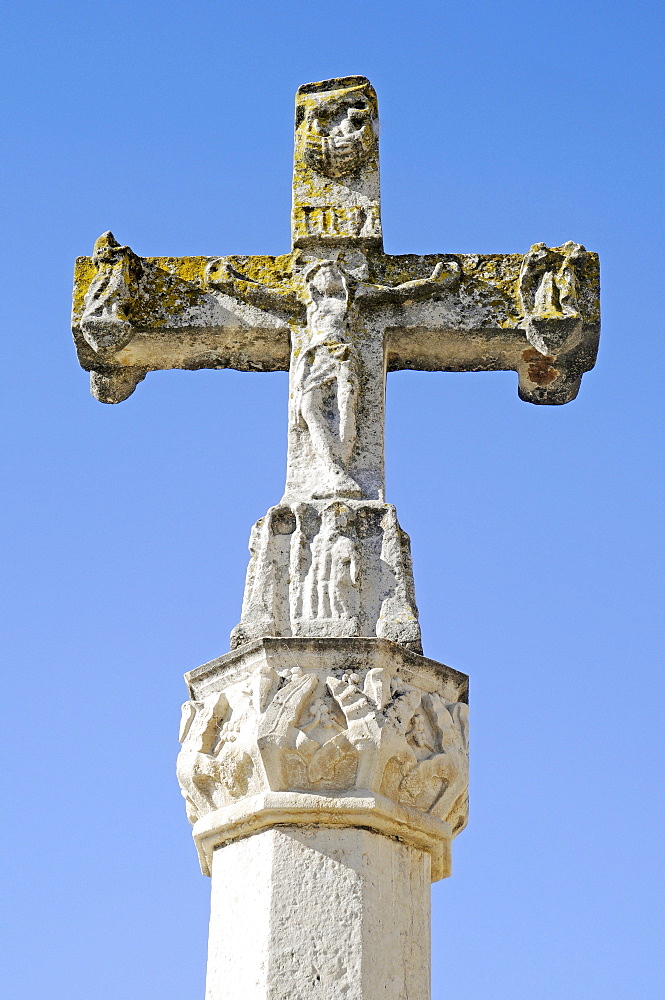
(224,278)
(444,276)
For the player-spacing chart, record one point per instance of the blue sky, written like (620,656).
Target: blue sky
(536,531)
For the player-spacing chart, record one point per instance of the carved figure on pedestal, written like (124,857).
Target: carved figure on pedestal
(398,619)
(333,582)
(106,321)
(300,559)
(549,296)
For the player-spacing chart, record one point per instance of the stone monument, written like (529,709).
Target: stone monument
(324,759)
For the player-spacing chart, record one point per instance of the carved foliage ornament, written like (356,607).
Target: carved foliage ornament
(363,730)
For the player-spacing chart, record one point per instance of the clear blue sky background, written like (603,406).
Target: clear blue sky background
(536,531)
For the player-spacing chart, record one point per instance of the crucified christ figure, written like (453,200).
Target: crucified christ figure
(326,375)
(326,371)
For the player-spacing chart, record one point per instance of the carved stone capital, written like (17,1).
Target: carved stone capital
(332,732)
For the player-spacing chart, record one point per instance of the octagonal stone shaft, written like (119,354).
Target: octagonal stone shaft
(298,913)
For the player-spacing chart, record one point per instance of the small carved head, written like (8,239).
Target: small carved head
(325,278)
(108,251)
(336,122)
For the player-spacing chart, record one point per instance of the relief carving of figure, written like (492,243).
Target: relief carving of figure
(298,730)
(304,747)
(333,582)
(327,370)
(549,296)
(326,367)
(437,782)
(325,379)
(377,720)
(106,322)
(213,765)
(412,747)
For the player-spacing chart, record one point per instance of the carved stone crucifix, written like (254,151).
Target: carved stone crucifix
(337,313)
(314,726)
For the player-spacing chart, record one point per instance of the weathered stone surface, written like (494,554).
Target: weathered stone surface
(330,568)
(182,319)
(301,913)
(549,283)
(536,314)
(336,732)
(336,195)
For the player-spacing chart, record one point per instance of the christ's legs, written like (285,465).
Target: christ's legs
(320,433)
(347,400)
(326,444)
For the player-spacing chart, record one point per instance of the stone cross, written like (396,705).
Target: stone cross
(324,760)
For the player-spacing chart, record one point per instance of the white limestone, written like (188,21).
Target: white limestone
(329,568)
(310,912)
(335,732)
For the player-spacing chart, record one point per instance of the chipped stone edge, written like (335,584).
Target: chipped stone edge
(363,651)
(365,811)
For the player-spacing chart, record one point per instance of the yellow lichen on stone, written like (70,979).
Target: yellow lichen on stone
(336,197)
(275,272)
(84,272)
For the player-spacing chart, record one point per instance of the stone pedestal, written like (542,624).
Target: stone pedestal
(325,780)
(330,568)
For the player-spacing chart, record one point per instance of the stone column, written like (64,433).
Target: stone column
(325,779)
(301,912)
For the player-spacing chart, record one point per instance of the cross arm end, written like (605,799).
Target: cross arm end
(504,317)
(132,315)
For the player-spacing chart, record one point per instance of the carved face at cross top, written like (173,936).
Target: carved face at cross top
(337,126)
